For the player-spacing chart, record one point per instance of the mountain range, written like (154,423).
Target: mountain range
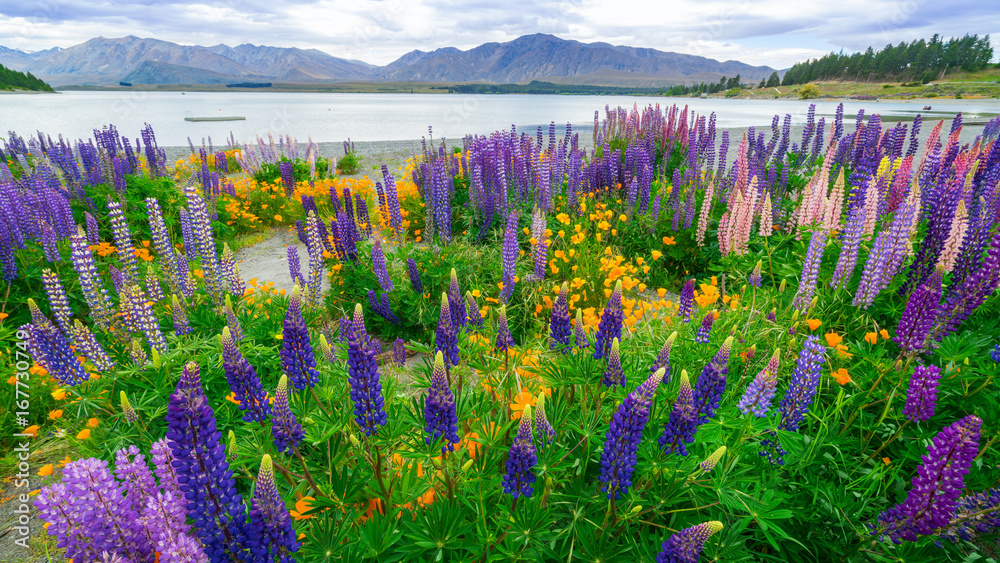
(103,61)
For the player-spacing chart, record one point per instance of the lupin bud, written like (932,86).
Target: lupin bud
(468,465)
(157,362)
(781,286)
(130,414)
(636,509)
(324,346)
(354,440)
(232,444)
(813,303)
(795,316)
(711,461)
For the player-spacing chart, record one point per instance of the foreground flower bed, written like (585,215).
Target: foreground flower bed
(521,350)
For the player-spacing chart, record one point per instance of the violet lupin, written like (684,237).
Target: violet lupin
(91,284)
(270,521)
(294,266)
(54,353)
(663,356)
(203,474)
(711,383)
(204,241)
(755,277)
(285,428)
(440,416)
(455,302)
(130,415)
(686,545)
(686,301)
(545,430)
(399,352)
(795,404)
(937,485)
(810,271)
(521,459)
(921,396)
(757,398)
(232,321)
(363,375)
(153,288)
(379,265)
(411,266)
(144,319)
(559,322)
(315,246)
(579,332)
(181,324)
(701,336)
(243,380)
(610,325)
(123,240)
(297,358)
(474,316)
(505,341)
(917,319)
(621,443)
(446,334)
(613,374)
(57,300)
(680,427)
(86,343)
(509,257)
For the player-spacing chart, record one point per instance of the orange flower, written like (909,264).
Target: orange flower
(871,337)
(301,507)
(46,470)
(842,376)
(833,339)
(59,394)
(813,323)
(656,254)
(84,434)
(31,430)
(669,241)
(884,333)
(522,400)
(661,292)
(12,380)
(92,423)
(55,414)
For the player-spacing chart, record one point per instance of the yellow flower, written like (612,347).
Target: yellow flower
(59,394)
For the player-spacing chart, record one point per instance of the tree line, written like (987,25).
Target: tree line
(14,80)
(918,61)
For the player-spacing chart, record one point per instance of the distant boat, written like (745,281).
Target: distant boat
(226,118)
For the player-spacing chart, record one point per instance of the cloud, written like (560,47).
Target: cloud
(775,33)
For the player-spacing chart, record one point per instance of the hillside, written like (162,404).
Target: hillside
(15,80)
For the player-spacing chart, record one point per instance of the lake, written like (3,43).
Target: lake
(388,117)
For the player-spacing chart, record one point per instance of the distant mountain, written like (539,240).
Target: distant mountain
(156,72)
(545,57)
(102,61)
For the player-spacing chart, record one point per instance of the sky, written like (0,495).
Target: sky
(775,33)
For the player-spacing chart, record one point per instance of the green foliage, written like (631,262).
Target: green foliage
(349,164)
(809,91)
(14,80)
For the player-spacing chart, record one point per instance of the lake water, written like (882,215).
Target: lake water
(385,117)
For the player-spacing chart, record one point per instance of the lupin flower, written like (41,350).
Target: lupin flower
(54,352)
(130,415)
(297,359)
(917,319)
(399,352)
(57,300)
(504,339)
(509,258)
(995,354)
(203,474)
(795,404)
(579,332)
(759,394)
(711,461)
(363,375)
(380,266)
(181,324)
(285,427)
(976,515)
(294,266)
(545,430)
(137,353)
(663,357)
(921,396)
(686,301)
(706,327)
(937,485)
(455,302)
(610,326)
(91,284)
(474,317)
(269,519)
(755,277)
(685,546)
(680,427)
(243,380)
(232,321)
(810,270)
(559,323)
(153,287)
(711,383)
(411,266)
(520,477)
(326,349)
(613,374)
(123,240)
(621,443)
(144,319)
(440,415)
(445,336)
